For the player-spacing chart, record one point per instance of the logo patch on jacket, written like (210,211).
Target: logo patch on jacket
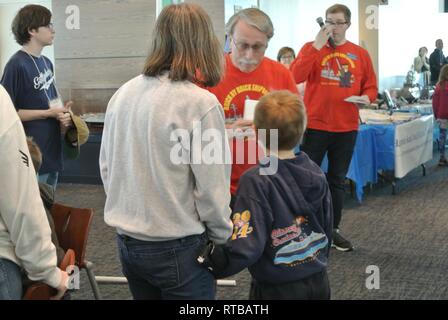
(25,158)
(241,225)
(302,247)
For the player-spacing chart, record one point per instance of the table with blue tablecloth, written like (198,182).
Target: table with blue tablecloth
(377,149)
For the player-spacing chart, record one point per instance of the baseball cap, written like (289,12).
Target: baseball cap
(75,137)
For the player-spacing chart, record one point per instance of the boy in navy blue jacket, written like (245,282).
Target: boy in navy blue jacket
(282,221)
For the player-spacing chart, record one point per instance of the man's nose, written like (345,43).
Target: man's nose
(249,53)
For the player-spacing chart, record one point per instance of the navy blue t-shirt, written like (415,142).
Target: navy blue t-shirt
(30,89)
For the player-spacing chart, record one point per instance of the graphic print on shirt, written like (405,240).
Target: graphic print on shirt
(337,69)
(44,80)
(241,225)
(256,90)
(303,246)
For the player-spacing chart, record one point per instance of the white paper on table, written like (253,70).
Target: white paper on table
(356,99)
(249,109)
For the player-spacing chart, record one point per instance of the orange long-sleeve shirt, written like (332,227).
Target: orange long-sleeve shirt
(331,76)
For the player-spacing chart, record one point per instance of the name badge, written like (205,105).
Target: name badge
(56,103)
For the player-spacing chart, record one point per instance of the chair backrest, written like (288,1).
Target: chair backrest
(42,291)
(72,228)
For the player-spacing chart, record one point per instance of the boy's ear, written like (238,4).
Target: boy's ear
(32,31)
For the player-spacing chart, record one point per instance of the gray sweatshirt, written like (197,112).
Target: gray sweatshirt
(158,183)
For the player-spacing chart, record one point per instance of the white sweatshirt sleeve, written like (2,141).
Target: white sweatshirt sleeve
(103,159)
(21,208)
(210,164)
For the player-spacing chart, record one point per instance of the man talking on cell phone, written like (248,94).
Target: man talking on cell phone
(333,74)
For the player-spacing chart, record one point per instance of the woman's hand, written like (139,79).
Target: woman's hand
(63,286)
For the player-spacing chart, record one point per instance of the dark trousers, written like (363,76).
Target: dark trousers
(166,269)
(339,148)
(315,287)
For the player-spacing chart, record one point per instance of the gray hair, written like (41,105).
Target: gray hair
(253,17)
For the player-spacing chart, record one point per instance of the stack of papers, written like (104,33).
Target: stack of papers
(381,117)
(93,117)
(374,117)
(403,116)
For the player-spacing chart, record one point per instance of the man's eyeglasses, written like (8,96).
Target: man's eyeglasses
(256,48)
(337,23)
(288,57)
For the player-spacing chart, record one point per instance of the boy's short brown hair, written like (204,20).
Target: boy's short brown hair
(285,112)
(29,18)
(36,155)
(340,8)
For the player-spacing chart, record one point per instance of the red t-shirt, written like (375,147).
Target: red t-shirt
(327,86)
(235,87)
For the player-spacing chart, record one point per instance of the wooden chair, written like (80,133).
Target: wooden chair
(72,229)
(42,291)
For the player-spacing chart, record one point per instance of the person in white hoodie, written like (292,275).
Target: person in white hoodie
(25,235)
(164,197)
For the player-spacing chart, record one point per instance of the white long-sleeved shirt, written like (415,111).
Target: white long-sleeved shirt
(25,235)
(153,194)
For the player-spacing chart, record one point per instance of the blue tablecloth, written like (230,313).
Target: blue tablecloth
(374,151)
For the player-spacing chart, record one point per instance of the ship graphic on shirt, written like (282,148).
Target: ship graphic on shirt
(337,68)
(299,251)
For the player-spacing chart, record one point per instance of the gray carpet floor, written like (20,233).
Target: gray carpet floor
(404,235)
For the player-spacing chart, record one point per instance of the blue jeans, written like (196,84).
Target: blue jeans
(10,280)
(442,141)
(166,269)
(50,178)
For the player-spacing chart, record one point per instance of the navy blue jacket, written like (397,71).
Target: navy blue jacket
(282,223)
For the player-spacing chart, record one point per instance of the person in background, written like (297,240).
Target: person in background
(286,56)
(25,236)
(163,196)
(29,79)
(46,194)
(440,107)
(248,75)
(436,61)
(421,66)
(332,75)
(283,221)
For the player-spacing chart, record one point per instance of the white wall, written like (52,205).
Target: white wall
(295,20)
(8,45)
(404,27)
(230,6)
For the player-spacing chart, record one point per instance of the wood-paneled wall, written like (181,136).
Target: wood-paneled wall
(109,48)
(216,10)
